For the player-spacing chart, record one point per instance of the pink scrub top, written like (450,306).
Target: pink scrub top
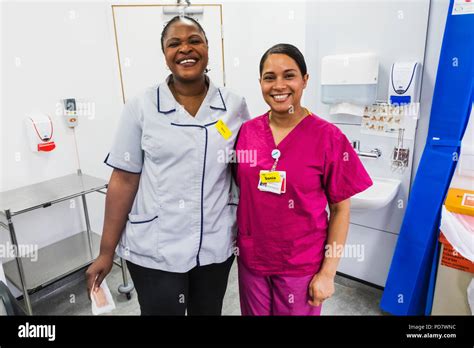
(285,234)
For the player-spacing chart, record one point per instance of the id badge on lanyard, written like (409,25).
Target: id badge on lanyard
(273,180)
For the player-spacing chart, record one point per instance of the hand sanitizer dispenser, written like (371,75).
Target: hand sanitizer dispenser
(39,128)
(404,86)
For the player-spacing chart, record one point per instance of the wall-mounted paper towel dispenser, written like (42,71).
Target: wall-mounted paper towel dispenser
(349,78)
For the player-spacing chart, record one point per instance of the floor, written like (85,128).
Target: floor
(68,297)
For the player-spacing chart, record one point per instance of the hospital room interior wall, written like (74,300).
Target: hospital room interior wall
(395,30)
(437,20)
(250,28)
(66,49)
(2,130)
(56,50)
(2,135)
(437,23)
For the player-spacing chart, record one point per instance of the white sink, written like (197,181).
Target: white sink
(381,193)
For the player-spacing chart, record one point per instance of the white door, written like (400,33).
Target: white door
(138,33)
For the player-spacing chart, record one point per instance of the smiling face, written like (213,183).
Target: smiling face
(186,50)
(282,83)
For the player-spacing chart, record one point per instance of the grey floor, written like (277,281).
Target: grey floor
(69,297)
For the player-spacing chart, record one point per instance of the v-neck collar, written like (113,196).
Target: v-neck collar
(287,139)
(167,104)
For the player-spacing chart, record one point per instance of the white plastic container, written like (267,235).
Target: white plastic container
(349,78)
(40,130)
(404,84)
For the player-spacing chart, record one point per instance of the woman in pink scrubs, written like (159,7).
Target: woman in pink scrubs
(288,249)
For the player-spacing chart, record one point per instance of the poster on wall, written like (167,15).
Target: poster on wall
(462,7)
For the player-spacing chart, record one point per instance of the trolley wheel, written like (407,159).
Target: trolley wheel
(126,289)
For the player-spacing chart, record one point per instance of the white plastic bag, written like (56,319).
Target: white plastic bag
(102,301)
(459,231)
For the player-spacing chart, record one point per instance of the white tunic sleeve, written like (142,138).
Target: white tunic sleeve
(126,153)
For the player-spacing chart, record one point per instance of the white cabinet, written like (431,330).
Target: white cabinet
(368,254)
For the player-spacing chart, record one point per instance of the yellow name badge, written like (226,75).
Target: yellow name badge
(270,177)
(223,129)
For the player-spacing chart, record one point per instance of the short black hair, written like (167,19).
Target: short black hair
(291,51)
(175,19)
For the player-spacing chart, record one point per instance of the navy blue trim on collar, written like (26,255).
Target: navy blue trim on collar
(158,103)
(223,107)
(222,99)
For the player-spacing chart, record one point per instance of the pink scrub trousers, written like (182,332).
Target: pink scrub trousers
(274,295)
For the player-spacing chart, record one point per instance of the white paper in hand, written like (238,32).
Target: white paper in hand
(102,301)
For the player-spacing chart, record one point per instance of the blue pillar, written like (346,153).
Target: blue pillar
(407,288)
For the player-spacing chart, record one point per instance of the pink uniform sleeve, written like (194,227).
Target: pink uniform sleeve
(344,173)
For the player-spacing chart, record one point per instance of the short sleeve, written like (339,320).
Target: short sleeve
(126,152)
(344,173)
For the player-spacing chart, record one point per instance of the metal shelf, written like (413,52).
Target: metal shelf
(54,261)
(61,258)
(48,192)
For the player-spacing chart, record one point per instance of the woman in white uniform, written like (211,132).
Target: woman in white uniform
(169,209)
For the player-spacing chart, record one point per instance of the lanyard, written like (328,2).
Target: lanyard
(275,155)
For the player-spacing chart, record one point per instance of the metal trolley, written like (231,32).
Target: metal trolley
(64,257)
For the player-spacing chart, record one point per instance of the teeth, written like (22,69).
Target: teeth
(187,61)
(280,96)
